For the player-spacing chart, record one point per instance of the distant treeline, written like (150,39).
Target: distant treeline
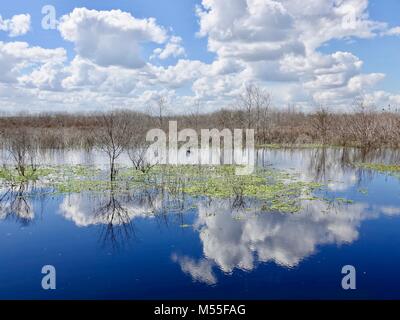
(363,127)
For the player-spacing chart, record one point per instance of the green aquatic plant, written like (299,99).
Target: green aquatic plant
(77,186)
(343,200)
(13,176)
(338,200)
(279,190)
(380,167)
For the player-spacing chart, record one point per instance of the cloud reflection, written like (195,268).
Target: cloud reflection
(85,210)
(240,242)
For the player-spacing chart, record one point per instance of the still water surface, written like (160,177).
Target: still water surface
(130,247)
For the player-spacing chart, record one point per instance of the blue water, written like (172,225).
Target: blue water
(203,251)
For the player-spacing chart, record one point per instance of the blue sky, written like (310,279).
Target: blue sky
(208,51)
(381,53)
(178,14)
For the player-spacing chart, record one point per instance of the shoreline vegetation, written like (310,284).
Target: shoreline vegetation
(287,129)
(363,126)
(23,137)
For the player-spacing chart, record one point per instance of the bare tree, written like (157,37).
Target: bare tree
(159,110)
(113,137)
(118,226)
(320,122)
(21,146)
(226,119)
(137,153)
(365,124)
(341,124)
(254,103)
(195,115)
(138,146)
(14,203)
(263,116)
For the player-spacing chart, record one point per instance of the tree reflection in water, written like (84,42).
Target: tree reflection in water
(235,233)
(117,227)
(115,210)
(14,204)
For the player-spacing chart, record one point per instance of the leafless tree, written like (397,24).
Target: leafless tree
(113,137)
(194,115)
(254,103)
(138,146)
(137,153)
(362,126)
(159,110)
(226,119)
(365,124)
(320,123)
(15,204)
(21,146)
(118,226)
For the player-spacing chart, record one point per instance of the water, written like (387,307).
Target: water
(115,247)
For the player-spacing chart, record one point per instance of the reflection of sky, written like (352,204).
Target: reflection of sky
(14,203)
(216,240)
(329,166)
(285,239)
(240,239)
(84,210)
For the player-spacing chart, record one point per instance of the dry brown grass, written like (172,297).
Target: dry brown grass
(363,128)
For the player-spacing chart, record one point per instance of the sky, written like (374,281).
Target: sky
(83,56)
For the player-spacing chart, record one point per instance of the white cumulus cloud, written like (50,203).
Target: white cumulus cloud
(18,25)
(172,49)
(110,38)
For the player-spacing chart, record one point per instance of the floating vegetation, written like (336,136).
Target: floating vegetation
(278,190)
(388,169)
(343,200)
(380,167)
(77,186)
(11,175)
(338,200)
